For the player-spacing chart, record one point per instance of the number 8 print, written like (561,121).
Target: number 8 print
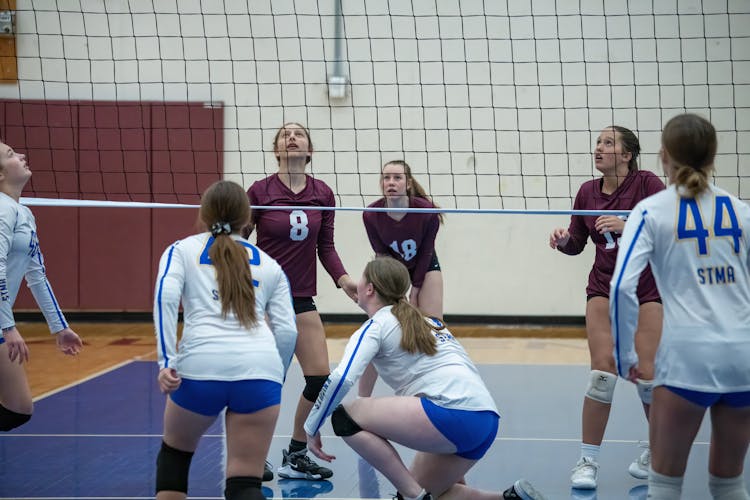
(298,221)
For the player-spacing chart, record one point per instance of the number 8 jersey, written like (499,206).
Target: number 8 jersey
(292,237)
(698,250)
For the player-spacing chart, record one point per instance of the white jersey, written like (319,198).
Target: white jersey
(213,347)
(449,378)
(699,255)
(20,256)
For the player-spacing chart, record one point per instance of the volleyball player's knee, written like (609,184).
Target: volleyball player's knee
(601,386)
(9,420)
(342,423)
(313,385)
(645,390)
(243,488)
(172,467)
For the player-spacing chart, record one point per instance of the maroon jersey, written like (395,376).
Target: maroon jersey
(293,236)
(639,184)
(410,240)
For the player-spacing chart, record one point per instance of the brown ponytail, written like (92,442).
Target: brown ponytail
(690,141)
(391,281)
(225,209)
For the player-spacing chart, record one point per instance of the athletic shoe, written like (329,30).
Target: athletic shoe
(298,465)
(639,468)
(584,474)
(267,472)
(524,490)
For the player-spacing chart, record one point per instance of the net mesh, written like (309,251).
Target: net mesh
(493,104)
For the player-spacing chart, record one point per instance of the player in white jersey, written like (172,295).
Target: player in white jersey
(21,257)
(441,408)
(695,237)
(236,346)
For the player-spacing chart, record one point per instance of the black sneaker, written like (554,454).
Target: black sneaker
(267,472)
(522,490)
(298,465)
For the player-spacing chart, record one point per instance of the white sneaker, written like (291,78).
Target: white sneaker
(639,468)
(584,474)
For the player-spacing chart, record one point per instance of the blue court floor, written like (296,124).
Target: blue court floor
(99,439)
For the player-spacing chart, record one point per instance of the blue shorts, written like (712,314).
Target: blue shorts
(2,340)
(473,432)
(706,399)
(210,397)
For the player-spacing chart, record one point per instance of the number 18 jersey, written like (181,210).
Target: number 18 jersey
(292,237)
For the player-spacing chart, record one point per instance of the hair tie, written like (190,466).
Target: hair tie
(218,228)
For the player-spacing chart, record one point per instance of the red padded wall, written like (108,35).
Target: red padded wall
(105,259)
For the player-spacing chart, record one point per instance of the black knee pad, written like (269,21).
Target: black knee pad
(342,423)
(313,385)
(172,467)
(10,420)
(243,488)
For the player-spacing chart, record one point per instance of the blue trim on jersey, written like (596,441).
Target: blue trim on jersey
(616,323)
(59,313)
(161,315)
(343,378)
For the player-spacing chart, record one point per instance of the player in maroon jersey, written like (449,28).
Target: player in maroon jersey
(410,239)
(293,237)
(621,186)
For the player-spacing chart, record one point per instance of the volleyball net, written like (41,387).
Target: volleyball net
(493,104)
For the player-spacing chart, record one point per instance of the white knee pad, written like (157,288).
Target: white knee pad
(601,386)
(645,390)
(729,488)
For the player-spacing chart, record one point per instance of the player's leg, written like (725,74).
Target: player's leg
(182,432)
(430,297)
(369,424)
(674,422)
(249,438)
(598,396)
(312,354)
(16,405)
(730,436)
(647,338)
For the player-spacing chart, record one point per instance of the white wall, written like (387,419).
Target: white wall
(494,104)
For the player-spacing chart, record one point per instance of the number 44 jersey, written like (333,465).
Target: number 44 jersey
(698,251)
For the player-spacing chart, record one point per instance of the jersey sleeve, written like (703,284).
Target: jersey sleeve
(326,248)
(426,249)
(636,246)
(282,319)
(170,281)
(579,233)
(36,279)
(8,216)
(362,347)
(377,244)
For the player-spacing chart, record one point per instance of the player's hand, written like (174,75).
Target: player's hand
(609,224)
(559,238)
(169,380)
(349,286)
(17,348)
(315,445)
(69,342)
(634,374)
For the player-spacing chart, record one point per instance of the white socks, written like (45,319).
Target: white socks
(590,450)
(661,487)
(728,488)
